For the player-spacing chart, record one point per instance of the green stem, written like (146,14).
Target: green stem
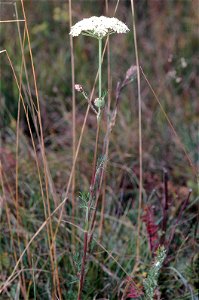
(100,77)
(100,68)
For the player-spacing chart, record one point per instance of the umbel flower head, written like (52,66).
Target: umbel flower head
(98,27)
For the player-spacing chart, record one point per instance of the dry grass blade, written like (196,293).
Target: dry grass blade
(46,169)
(36,159)
(22,277)
(12,21)
(8,216)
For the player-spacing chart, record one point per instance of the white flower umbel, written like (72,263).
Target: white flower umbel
(98,27)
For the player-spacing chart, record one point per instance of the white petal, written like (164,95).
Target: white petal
(99,26)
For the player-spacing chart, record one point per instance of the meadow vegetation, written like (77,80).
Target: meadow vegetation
(99,206)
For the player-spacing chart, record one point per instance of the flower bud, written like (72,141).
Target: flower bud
(79,88)
(99,102)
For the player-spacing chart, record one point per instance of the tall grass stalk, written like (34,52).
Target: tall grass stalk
(26,30)
(22,277)
(36,159)
(140,137)
(56,284)
(16,199)
(137,257)
(73,119)
(29,99)
(8,217)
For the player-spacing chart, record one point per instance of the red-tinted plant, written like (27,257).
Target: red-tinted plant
(152,228)
(134,291)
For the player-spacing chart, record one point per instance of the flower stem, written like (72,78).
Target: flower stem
(99,76)
(100,68)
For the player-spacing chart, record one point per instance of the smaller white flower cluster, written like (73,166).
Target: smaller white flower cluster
(98,27)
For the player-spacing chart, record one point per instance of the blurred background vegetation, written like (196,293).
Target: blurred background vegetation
(167,34)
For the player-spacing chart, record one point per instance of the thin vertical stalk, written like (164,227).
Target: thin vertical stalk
(140,138)
(30,100)
(56,282)
(137,258)
(8,214)
(94,161)
(99,76)
(73,119)
(107,126)
(100,67)
(34,148)
(164,208)
(93,217)
(99,111)
(17,164)
(92,187)
(81,282)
